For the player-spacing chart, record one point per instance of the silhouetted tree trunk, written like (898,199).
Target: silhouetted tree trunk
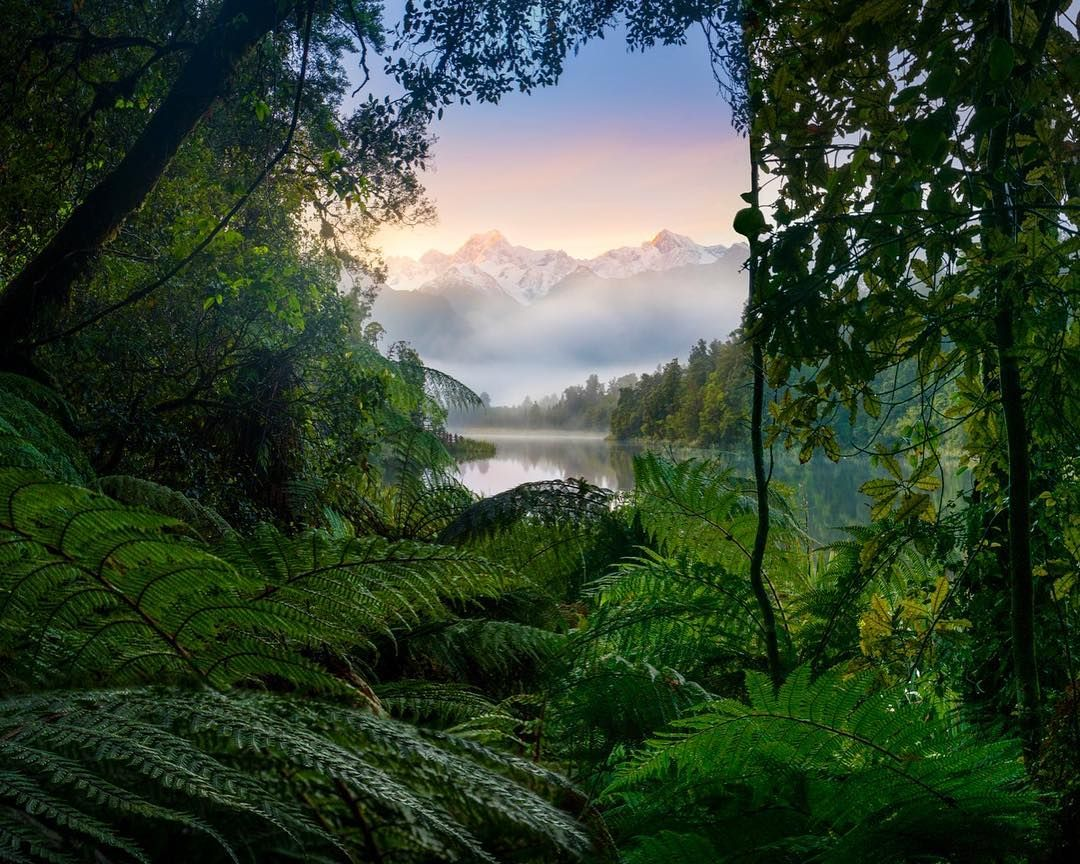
(47,279)
(1001,220)
(757,363)
(761,480)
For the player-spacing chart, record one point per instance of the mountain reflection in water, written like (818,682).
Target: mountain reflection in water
(524,457)
(827,494)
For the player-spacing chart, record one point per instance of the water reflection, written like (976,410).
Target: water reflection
(826,495)
(529,456)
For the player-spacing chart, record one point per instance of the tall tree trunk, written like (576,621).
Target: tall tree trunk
(1001,221)
(47,279)
(1022,587)
(761,480)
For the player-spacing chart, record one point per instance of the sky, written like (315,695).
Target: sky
(626,144)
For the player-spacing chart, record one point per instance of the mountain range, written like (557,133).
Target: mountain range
(489,264)
(514,320)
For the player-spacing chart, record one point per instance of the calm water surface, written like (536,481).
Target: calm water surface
(828,494)
(527,456)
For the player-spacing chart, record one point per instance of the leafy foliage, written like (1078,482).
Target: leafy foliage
(240,773)
(248,612)
(832,769)
(704,402)
(97,594)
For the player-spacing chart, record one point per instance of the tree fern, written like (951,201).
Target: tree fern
(484,650)
(547,500)
(859,773)
(91,589)
(418,505)
(603,703)
(559,535)
(676,611)
(355,588)
(138,492)
(90,770)
(674,622)
(30,435)
(418,493)
(95,593)
(433,703)
(448,392)
(673,846)
(700,505)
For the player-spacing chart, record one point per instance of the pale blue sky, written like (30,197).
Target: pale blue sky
(626,144)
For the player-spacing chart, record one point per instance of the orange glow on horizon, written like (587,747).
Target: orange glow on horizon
(606,192)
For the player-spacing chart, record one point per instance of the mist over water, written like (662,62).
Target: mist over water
(509,381)
(585,324)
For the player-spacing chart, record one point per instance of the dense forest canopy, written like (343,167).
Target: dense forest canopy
(249,612)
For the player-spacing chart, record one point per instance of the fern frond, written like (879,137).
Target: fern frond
(31,438)
(699,504)
(215,764)
(448,392)
(93,590)
(137,492)
(605,702)
(668,846)
(351,590)
(876,772)
(31,796)
(433,703)
(674,612)
(42,397)
(548,501)
(471,648)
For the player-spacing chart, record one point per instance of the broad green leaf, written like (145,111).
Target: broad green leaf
(912,506)
(891,465)
(750,222)
(879,487)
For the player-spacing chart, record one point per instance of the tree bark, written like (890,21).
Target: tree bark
(1022,588)
(47,279)
(1001,221)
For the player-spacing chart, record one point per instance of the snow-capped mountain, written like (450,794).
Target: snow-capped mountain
(665,251)
(493,312)
(490,265)
(490,262)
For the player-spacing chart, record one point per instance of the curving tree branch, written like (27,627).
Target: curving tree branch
(47,279)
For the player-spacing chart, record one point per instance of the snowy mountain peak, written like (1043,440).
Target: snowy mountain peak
(526,275)
(663,252)
(432,259)
(481,246)
(668,241)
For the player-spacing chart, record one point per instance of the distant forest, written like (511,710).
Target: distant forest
(701,402)
(587,407)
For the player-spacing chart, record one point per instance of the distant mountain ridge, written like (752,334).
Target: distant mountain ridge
(513,320)
(489,265)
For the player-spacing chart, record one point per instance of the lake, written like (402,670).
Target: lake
(827,493)
(527,456)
